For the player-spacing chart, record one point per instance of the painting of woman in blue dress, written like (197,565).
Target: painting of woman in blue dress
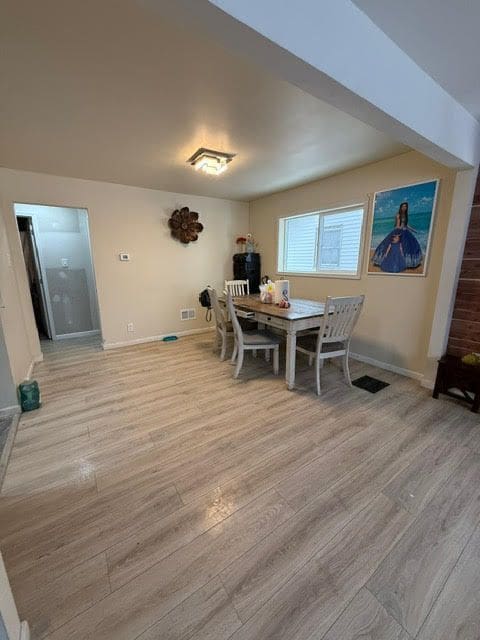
(399,250)
(398,247)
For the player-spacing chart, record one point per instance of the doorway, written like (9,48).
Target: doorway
(56,249)
(34,275)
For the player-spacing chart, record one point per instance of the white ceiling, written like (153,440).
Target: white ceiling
(441,36)
(110,90)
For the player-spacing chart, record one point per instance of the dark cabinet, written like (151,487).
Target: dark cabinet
(458,380)
(246,266)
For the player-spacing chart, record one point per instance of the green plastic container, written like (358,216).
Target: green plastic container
(29,395)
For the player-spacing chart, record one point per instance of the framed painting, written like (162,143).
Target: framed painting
(401,230)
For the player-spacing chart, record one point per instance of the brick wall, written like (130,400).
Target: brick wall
(465,330)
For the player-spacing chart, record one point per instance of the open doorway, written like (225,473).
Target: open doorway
(34,275)
(56,249)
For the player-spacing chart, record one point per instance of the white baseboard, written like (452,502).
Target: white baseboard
(30,370)
(428,384)
(78,334)
(34,361)
(388,367)
(130,343)
(24,631)
(7,449)
(6,412)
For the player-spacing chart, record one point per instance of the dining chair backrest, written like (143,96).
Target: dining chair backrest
(340,318)
(237,287)
(218,312)
(237,329)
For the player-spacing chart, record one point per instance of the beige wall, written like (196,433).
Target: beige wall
(162,277)
(396,323)
(16,311)
(8,395)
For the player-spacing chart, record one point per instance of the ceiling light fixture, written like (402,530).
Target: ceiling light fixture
(210,162)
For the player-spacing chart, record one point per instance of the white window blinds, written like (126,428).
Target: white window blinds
(326,242)
(301,243)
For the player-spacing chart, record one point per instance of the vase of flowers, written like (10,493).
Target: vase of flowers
(246,243)
(241,240)
(250,244)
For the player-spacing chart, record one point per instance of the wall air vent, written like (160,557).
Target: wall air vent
(188,314)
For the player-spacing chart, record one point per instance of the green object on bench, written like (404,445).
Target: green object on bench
(29,395)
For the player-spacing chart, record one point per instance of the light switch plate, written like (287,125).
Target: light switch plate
(124,257)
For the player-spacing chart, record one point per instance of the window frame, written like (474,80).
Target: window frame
(322,212)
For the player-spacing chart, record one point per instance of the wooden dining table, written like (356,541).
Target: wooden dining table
(301,315)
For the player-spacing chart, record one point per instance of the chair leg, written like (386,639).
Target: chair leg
(318,364)
(239,362)
(311,358)
(346,370)
(224,347)
(234,354)
(276,352)
(267,355)
(254,353)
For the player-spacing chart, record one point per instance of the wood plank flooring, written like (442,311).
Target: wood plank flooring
(153,497)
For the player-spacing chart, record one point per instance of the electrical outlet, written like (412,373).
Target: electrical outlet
(64,262)
(130,327)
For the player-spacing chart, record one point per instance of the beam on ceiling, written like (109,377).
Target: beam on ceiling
(332,50)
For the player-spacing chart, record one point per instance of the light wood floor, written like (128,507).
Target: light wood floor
(155,498)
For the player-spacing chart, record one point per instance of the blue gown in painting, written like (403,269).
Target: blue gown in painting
(394,259)
(407,252)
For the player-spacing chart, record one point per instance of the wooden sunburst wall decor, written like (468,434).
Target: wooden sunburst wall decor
(184,225)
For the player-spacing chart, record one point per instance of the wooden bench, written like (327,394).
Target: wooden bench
(458,380)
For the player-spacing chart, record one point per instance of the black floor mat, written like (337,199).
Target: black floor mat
(370,384)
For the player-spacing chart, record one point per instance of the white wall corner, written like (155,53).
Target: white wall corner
(460,213)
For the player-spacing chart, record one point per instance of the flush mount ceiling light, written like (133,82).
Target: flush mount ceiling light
(211,162)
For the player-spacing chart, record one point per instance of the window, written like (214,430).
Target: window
(322,243)
(330,247)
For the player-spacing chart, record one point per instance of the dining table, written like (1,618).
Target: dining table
(300,316)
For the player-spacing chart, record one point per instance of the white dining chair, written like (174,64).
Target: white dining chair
(237,287)
(333,338)
(223,327)
(250,341)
